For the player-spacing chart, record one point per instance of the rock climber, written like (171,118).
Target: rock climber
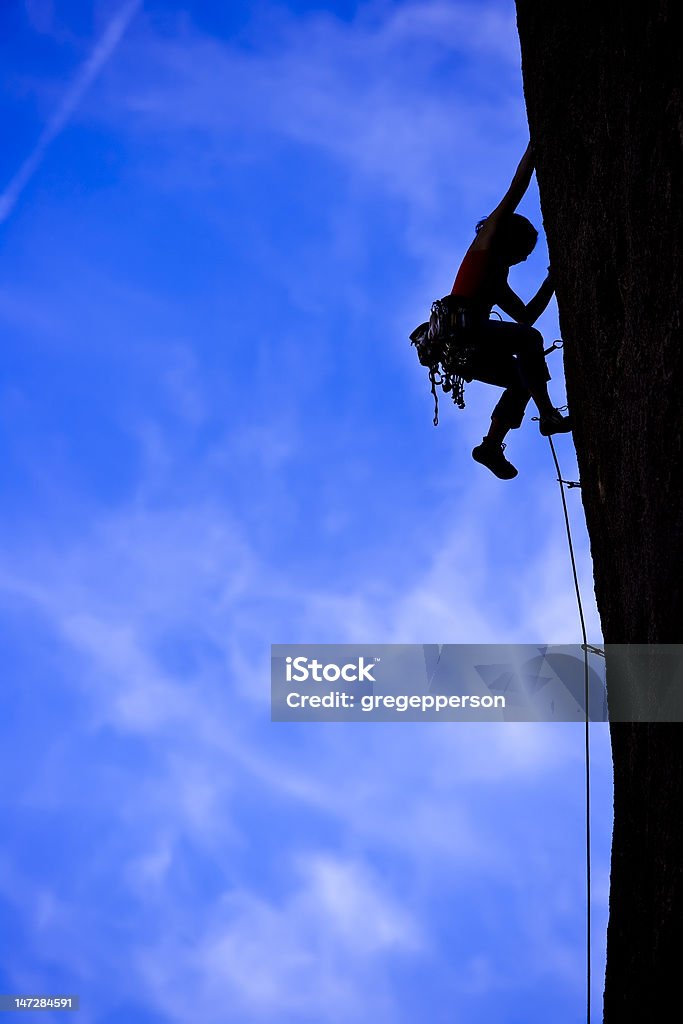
(508,355)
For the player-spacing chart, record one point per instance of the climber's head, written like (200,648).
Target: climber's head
(515,238)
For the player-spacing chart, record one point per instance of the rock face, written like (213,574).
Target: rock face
(603,85)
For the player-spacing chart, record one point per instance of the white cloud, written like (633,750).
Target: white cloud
(164,607)
(100,55)
(193,572)
(363,93)
(262,958)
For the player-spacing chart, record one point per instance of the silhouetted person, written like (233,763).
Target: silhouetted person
(509,355)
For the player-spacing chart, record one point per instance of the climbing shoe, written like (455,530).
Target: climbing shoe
(490,454)
(554,423)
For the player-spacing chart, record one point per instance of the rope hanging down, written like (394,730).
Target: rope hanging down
(586,648)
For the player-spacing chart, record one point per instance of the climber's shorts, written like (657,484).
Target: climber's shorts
(510,356)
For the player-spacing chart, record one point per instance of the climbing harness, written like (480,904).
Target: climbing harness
(586,648)
(440,347)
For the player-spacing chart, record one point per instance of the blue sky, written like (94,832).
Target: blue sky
(220,223)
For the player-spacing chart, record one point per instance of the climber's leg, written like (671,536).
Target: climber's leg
(497,431)
(509,412)
(494,365)
(507,415)
(522,345)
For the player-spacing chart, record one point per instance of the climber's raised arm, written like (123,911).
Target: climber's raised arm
(509,202)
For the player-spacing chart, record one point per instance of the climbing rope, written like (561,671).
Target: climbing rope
(585,647)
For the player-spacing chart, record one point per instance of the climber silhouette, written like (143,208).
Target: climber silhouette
(509,355)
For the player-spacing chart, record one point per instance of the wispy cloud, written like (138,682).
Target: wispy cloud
(225,866)
(87,74)
(161,617)
(362,93)
(279,958)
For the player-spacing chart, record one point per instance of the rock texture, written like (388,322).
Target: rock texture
(603,84)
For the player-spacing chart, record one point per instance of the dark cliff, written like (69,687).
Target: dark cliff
(603,90)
